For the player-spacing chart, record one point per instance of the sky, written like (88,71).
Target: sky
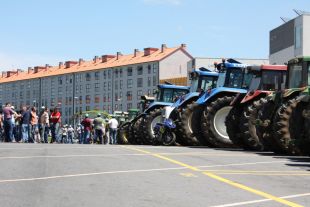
(39,32)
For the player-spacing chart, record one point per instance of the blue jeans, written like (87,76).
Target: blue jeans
(55,132)
(8,130)
(113,134)
(98,134)
(70,138)
(86,137)
(44,132)
(25,132)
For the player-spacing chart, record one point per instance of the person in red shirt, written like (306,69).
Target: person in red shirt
(55,121)
(87,124)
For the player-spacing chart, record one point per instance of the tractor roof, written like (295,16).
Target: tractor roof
(163,86)
(206,73)
(298,59)
(267,67)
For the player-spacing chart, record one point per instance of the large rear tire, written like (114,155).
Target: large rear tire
(136,132)
(232,126)
(213,122)
(188,126)
(148,124)
(289,129)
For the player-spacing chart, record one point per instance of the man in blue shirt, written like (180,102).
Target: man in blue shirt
(25,122)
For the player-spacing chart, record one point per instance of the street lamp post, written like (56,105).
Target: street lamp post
(74,102)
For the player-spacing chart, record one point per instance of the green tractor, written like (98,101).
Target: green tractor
(291,123)
(123,132)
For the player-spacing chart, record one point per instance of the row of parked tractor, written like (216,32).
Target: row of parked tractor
(265,107)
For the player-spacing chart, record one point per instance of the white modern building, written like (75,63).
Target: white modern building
(109,82)
(291,39)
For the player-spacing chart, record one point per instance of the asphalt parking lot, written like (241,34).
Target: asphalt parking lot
(92,175)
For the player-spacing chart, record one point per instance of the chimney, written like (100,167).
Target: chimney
(136,52)
(150,50)
(163,48)
(61,64)
(106,58)
(19,71)
(3,74)
(96,59)
(70,63)
(30,69)
(39,68)
(183,46)
(118,55)
(81,61)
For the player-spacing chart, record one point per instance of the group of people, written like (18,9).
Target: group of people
(29,126)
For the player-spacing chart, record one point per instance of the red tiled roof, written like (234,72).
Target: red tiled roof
(75,67)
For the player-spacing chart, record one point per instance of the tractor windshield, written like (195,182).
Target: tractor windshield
(237,78)
(170,95)
(203,83)
(295,76)
(273,80)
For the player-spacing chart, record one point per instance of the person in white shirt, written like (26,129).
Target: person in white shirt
(113,124)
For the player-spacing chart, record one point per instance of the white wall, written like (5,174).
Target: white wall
(174,66)
(282,56)
(306,35)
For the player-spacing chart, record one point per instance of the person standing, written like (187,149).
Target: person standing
(99,128)
(45,123)
(70,134)
(113,124)
(55,125)
(34,124)
(7,122)
(25,122)
(86,123)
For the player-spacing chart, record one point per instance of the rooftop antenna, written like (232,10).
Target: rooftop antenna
(300,12)
(285,19)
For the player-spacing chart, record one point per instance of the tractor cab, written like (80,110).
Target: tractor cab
(203,80)
(170,93)
(299,73)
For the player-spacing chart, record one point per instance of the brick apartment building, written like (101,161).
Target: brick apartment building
(109,82)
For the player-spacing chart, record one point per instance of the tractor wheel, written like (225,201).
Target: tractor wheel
(136,132)
(148,124)
(123,134)
(289,129)
(232,126)
(213,122)
(188,126)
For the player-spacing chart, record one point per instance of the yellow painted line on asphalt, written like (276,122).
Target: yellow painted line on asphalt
(219,178)
(264,174)
(258,171)
(260,200)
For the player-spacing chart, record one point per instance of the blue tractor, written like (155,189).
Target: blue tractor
(215,105)
(202,80)
(166,95)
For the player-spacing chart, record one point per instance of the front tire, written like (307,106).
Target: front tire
(232,126)
(213,122)
(148,124)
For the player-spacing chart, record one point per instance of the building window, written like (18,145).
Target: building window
(129,71)
(97,99)
(154,81)
(87,88)
(116,73)
(129,95)
(121,73)
(81,100)
(140,70)
(129,83)
(104,74)
(116,97)
(116,107)
(97,87)
(109,74)
(88,76)
(109,97)
(121,84)
(97,75)
(104,85)
(298,36)
(109,86)
(87,99)
(87,108)
(129,106)
(139,82)
(139,93)
(116,85)
(149,92)
(154,68)
(104,98)
(149,69)
(120,96)
(149,81)
(60,80)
